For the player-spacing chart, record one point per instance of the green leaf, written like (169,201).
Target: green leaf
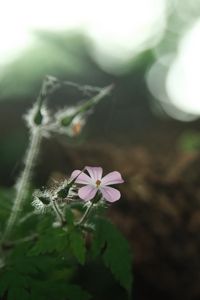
(15,285)
(53,240)
(39,277)
(69,217)
(77,245)
(75,292)
(54,290)
(18,293)
(115,252)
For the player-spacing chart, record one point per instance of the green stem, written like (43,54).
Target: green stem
(93,101)
(23,183)
(86,214)
(27,216)
(82,88)
(30,159)
(58,212)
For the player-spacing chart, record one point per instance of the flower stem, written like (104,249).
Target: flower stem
(23,182)
(58,212)
(86,214)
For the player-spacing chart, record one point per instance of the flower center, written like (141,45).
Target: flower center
(98,182)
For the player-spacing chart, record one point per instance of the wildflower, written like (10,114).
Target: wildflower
(94,182)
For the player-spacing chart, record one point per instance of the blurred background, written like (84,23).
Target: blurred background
(148,128)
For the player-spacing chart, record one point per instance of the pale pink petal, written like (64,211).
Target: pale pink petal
(87,192)
(82,178)
(110,194)
(112,178)
(95,173)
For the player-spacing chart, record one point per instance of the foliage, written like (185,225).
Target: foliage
(114,248)
(35,281)
(190,141)
(44,268)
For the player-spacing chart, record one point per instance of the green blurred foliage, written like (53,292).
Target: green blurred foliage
(190,141)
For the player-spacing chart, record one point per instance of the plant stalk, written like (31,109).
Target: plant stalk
(86,214)
(24,180)
(58,212)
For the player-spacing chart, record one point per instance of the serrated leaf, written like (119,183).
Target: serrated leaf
(115,252)
(38,279)
(14,284)
(77,245)
(18,293)
(54,240)
(4,283)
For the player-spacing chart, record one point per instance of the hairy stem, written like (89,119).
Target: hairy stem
(27,216)
(86,214)
(23,182)
(58,213)
(94,100)
(85,89)
(31,155)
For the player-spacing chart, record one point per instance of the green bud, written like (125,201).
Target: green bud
(38,117)
(67,120)
(63,192)
(44,199)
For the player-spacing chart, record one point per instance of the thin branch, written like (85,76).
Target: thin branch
(85,89)
(58,212)
(27,216)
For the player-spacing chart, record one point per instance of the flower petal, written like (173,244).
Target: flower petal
(110,194)
(112,178)
(82,178)
(95,173)
(87,192)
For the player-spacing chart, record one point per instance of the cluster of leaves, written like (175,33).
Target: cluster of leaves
(45,266)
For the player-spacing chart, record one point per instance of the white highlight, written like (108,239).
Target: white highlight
(118,29)
(122,29)
(183,80)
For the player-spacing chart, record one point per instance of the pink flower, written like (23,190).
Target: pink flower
(94,182)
